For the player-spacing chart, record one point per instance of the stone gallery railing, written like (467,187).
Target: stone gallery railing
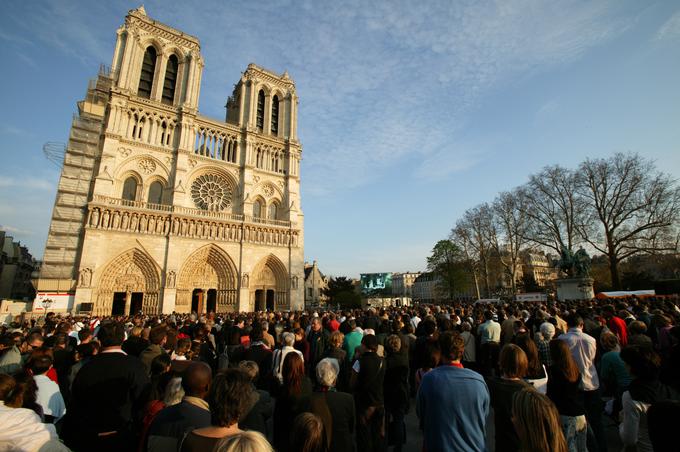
(157,219)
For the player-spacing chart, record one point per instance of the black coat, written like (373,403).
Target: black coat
(108,395)
(173,422)
(336,410)
(285,410)
(261,409)
(395,387)
(263,357)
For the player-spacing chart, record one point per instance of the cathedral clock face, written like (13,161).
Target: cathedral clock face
(211,192)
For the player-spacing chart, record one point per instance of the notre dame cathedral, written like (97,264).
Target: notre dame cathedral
(161,209)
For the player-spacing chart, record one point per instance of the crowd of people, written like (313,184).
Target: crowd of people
(540,376)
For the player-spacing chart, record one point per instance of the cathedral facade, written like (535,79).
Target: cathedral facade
(160,209)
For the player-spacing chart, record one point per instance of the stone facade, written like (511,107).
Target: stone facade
(161,209)
(16,269)
(402,284)
(315,284)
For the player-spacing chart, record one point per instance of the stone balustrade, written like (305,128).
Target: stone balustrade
(113,214)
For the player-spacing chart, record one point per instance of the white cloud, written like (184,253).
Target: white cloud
(13,230)
(670,29)
(380,82)
(30,183)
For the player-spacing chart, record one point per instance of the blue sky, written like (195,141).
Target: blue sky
(410,112)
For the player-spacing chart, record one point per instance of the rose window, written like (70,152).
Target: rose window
(211,192)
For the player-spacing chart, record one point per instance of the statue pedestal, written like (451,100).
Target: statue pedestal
(574,289)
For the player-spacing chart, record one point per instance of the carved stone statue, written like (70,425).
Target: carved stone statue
(170,280)
(245,280)
(85,277)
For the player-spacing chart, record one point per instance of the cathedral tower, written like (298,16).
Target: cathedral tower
(161,209)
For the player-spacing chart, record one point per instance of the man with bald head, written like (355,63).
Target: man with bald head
(173,422)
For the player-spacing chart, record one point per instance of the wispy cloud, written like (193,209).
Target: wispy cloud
(31,183)
(670,29)
(13,230)
(8,129)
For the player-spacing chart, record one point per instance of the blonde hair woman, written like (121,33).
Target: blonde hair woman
(247,441)
(537,423)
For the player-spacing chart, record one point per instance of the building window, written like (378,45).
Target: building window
(275,115)
(130,189)
(273,211)
(156,193)
(146,77)
(170,80)
(260,111)
(310,292)
(257,209)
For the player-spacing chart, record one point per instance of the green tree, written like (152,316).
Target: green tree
(446,263)
(341,292)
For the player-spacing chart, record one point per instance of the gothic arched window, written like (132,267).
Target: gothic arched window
(156,193)
(130,189)
(148,69)
(170,80)
(260,111)
(273,211)
(257,209)
(275,115)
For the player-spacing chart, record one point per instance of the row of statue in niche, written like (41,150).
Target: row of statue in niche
(166,225)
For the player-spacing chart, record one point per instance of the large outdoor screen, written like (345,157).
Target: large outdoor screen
(376,283)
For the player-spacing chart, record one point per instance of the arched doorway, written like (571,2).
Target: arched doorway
(269,288)
(207,282)
(129,284)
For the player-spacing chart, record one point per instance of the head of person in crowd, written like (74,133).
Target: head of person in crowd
(251,369)
(637,327)
(293,373)
(466,327)
(336,339)
(158,335)
(513,362)
(531,350)
(40,364)
(643,363)
(547,331)
(327,372)
(574,321)
(488,315)
(197,380)
(609,341)
(288,339)
(229,397)
(308,434)
(316,324)
(608,311)
(7,386)
(85,335)
(563,361)
(452,347)
(183,346)
(111,334)
(537,422)
(160,364)
(33,340)
(247,441)
(370,343)
(25,393)
(393,344)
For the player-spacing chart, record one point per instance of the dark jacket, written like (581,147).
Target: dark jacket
(396,388)
(149,354)
(336,410)
(135,345)
(172,423)
(343,377)
(318,342)
(285,410)
(369,384)
(108,395)
(261,408)
(263,357)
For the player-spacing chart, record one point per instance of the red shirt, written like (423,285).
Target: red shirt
(618,326)
(334,325)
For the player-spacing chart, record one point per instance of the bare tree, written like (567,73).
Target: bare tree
(554,208)
(510,231)
(470,233)
(632,208)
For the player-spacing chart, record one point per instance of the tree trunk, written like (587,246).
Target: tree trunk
(614,271)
